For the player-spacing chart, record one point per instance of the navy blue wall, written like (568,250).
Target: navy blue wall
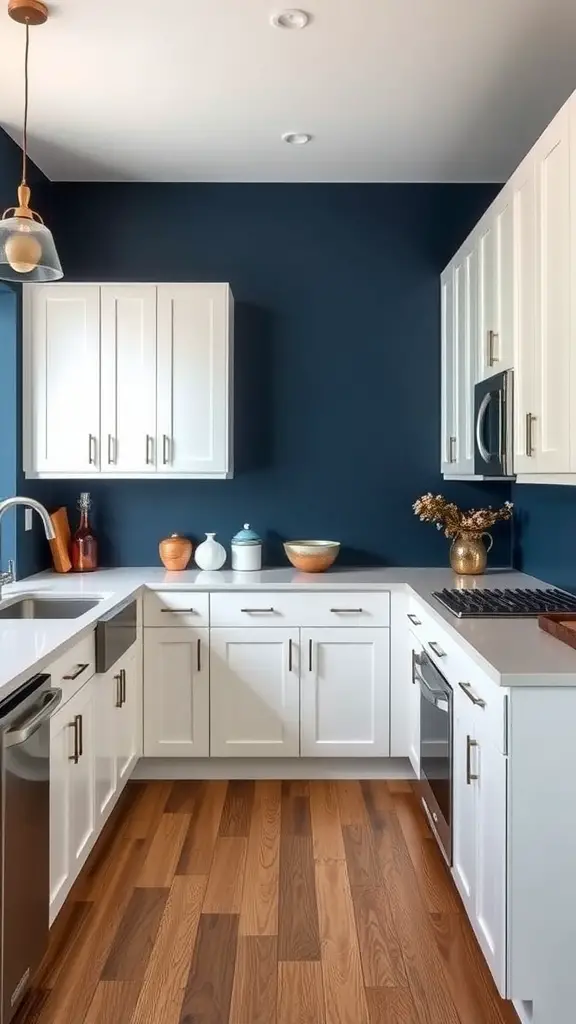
(545,533)
(337,356)
(11,481)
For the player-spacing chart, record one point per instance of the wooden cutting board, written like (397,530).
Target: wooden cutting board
(60,546)
(561,625)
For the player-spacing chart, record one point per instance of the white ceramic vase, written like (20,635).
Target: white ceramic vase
(210,554)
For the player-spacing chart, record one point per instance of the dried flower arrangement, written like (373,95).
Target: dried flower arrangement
(448,517)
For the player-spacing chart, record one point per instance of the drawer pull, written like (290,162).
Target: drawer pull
(351,611)
(470,777)
(77,672)
(118,679)
(471,695)
(75,757)
(414,620)
(178,611)
(437,649)
(258,611)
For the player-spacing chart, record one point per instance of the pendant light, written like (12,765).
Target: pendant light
(27,250)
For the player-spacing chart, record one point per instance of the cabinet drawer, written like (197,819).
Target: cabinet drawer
(300,609)
(490,701)
(74,668)
(176,608)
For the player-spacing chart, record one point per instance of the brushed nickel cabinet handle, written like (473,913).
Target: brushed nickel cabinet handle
(437,649)
(452,450)
(257,611)
(310,648)
(75,757)
(178,611)
(492,337)
(77,671)
(80,735)
(91,449)
(414,620)
(529,442)
(165,449)
(149,450)
(199,654)
(290,655)
(470,776)
(123,684)
(118,679)
(111,450)
(471,695)
(345,611)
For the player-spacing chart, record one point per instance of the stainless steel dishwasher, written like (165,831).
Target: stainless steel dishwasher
(25,835)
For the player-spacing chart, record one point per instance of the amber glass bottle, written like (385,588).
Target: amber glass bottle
(84,555)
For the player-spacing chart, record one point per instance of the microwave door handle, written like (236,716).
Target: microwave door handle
(485,454)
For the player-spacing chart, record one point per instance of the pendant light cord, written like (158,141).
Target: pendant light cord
(25,138)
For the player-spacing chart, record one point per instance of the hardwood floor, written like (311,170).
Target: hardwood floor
(265,903)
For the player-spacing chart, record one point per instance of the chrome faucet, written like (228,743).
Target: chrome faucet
(8,576)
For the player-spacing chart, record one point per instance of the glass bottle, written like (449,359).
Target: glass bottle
(84,552)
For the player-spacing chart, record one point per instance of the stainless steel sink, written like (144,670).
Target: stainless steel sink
(33,607)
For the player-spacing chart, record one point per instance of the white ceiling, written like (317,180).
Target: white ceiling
(202,90)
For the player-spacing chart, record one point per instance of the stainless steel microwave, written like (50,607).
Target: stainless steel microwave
(494,426)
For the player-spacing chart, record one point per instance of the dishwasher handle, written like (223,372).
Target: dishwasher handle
(42,711)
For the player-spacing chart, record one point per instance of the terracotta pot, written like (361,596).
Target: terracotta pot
(175,552)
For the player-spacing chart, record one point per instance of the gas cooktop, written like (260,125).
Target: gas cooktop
(500,604)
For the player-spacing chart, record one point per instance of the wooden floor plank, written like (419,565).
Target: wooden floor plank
(164,983)
(380,953)
(344,995)
(136,935)
(295,810)
(436,886)
(113,1002)
(31,1007)
(198,848)
(255,980)
(361,860)
(185,796)
(326,825)
(259,912)
(300,993)
(226,879)
(65,936)
(399,786)
(209,988)
(351,803)
(164,853)
(237,810)
(147,809)
(391,1006)
(298,937)
(378,802)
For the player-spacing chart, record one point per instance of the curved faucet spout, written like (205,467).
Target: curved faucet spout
(8,577)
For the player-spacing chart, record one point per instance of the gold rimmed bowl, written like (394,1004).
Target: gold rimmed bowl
(312,555)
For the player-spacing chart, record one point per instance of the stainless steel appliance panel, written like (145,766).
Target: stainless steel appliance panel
(25,821)
(115,634)
(494,426)
(436,755)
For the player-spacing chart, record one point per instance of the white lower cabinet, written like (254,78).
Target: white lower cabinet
(176,692)
(130,719)
(345,692)
(414,714)
(254,692)
(480,830)
(73,821)
(117,715)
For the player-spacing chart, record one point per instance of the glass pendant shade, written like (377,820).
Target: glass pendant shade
(27,251)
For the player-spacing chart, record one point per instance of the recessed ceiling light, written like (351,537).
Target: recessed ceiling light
(292,18)
(296,138)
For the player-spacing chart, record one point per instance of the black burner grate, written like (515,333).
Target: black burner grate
(487,604)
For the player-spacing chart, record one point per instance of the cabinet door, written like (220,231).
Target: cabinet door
(130,719)
(500,344)
(466,345)
(464,839)
(254,693)
(345,692)
(194,379)
(83,829)
(176,692)
(551,424)
(489,921)
(449,397)
(62,379)
(523,187)
(61,748)
(106,709)
(414,716)
(487,263)
(128,332)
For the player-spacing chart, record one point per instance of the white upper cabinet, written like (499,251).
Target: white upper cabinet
(128,344)
(449,418)
(128,380)
(524,199)
(459,297)
(495,289)
(194,379)
(61,422)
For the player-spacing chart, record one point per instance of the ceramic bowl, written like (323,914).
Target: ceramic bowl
(312,555)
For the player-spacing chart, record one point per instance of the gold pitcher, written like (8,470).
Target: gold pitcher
(468,553)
